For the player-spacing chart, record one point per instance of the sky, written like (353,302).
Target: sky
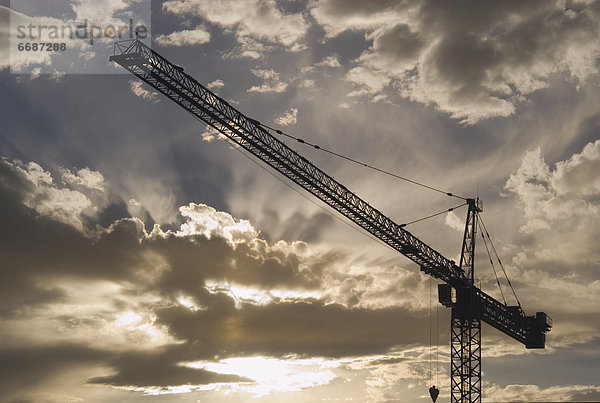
(146,259)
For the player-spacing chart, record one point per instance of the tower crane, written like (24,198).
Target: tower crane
(458,291)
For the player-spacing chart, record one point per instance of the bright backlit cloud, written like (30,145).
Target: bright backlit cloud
(290,117)
(61,203)
(84,177)
(454,222)
(566,193)
(215,85)
(273,375)
(137,87)
(195,36)
(272,83)
(205,220)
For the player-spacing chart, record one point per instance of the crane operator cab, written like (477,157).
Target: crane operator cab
(434,393)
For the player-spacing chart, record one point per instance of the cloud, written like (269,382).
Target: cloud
(216,84)
(172,292)
(213,285)
(103,290)
(454,222)
(62,204)
(57,75)
(309,328)
(211,133)
(255,23)
(196,36)
(422,51)
(290,117)
(557,251)
(308,83)
(131,292)
(330,61)
(84,177)
(569,192)
(210,245)
(137,88)
(338,16)
(578,176)
(271,83)
(157,369)
(205,220)
(274,375)
(535,393)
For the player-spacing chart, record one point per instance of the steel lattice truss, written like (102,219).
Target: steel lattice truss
(171,80)
(465,353)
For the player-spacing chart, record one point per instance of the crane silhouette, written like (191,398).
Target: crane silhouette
(469,304)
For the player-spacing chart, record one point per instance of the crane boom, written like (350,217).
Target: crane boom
(173,82)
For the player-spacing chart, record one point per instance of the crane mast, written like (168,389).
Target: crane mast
(469,304)
(465,324)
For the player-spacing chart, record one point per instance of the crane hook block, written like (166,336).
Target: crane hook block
(434,393)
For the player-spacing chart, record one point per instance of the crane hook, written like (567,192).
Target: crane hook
(434,393)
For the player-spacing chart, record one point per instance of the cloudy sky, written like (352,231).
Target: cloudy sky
(145,259)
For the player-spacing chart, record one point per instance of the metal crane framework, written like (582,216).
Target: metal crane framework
(470,305)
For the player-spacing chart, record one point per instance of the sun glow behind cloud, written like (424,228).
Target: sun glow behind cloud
(272,374)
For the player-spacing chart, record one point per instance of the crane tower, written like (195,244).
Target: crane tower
(469,304)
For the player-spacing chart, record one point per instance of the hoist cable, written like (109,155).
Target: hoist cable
(437,342)
(430,334)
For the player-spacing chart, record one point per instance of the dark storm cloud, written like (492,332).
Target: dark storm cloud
(195,259)
(33,243)
(35,246)
(305,328)
(472,59)
(302,327)
(23,368)
(158,369)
